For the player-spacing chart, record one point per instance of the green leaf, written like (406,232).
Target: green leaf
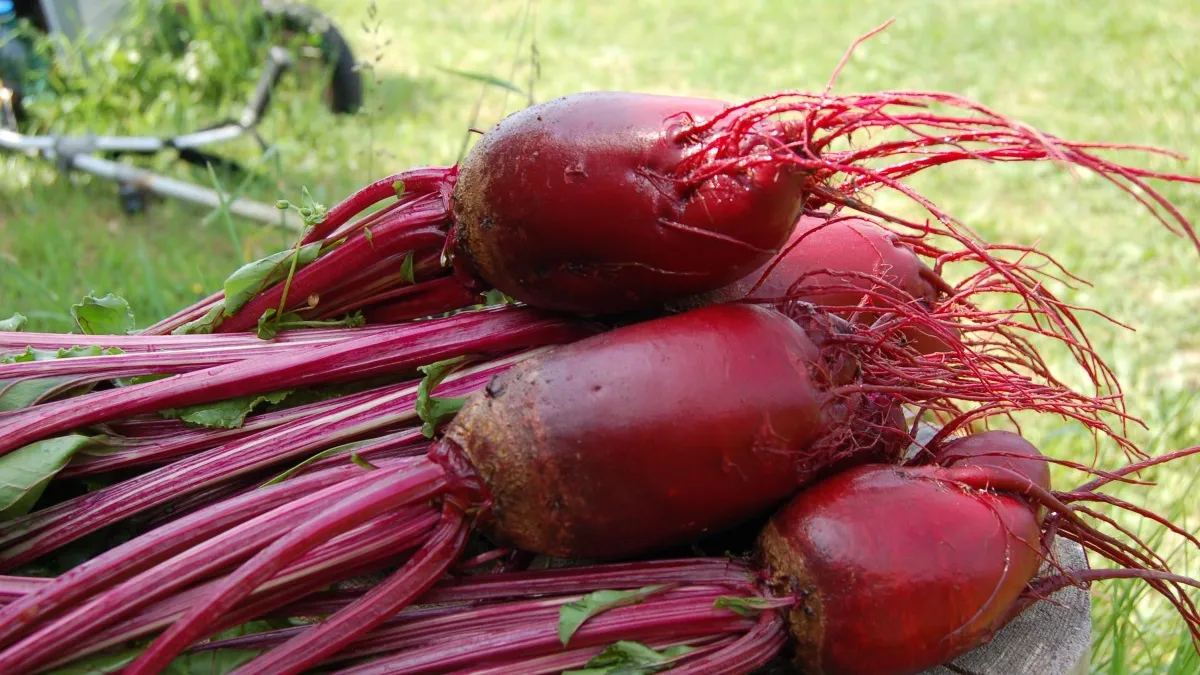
(99,664)
(398,187)
(437,411)
(13,323)
(484,78)
(25,472)
(252,278)
(432,410)
(406,269)
(752,606)
(109,315)
(104,446)
(205,324)
(139,379)
(17,394)
(252,627)
(269,326)
(211,662)
(305,395)
(358,460)
(229,413)
(31,354)
(497,297)
(354,445)
(573,614)
(631,658)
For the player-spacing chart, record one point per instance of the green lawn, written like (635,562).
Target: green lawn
(1099,71)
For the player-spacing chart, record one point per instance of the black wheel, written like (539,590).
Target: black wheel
(132,199)
(344,92)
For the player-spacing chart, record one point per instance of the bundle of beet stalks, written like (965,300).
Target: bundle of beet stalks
(623,325)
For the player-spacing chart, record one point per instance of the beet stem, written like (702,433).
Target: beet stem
(675,615)
(384,540)
(40,533)
(393,488)
(152,547)
(397,351)
(417,575)
(204,559)
(748,653)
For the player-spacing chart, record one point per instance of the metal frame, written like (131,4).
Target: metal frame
(82,153)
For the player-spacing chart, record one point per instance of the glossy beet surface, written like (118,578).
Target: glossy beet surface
(579,204)
(830,262)
(650,435)
(1001,449)
(897,569)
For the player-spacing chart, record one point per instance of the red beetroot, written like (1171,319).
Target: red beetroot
(578,204)
(825,251)
(839,263)
(611,201)
(1003,450)
(633,474)
(899,569)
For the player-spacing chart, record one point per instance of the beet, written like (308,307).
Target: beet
(656,460)
(579,204)
(898,569)
(1004,450)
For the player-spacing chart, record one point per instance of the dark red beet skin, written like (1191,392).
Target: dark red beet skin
(578,204)
(997,448)
(897,569)
(694,423)
(845,245)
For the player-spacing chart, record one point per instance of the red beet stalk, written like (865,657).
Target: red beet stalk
(198,562)
(31,536)
(398,351)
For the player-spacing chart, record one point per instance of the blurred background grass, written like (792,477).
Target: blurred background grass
(1095,71)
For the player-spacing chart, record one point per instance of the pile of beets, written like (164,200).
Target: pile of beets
(669,340)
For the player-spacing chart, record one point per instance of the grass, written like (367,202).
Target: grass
(1086,70)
